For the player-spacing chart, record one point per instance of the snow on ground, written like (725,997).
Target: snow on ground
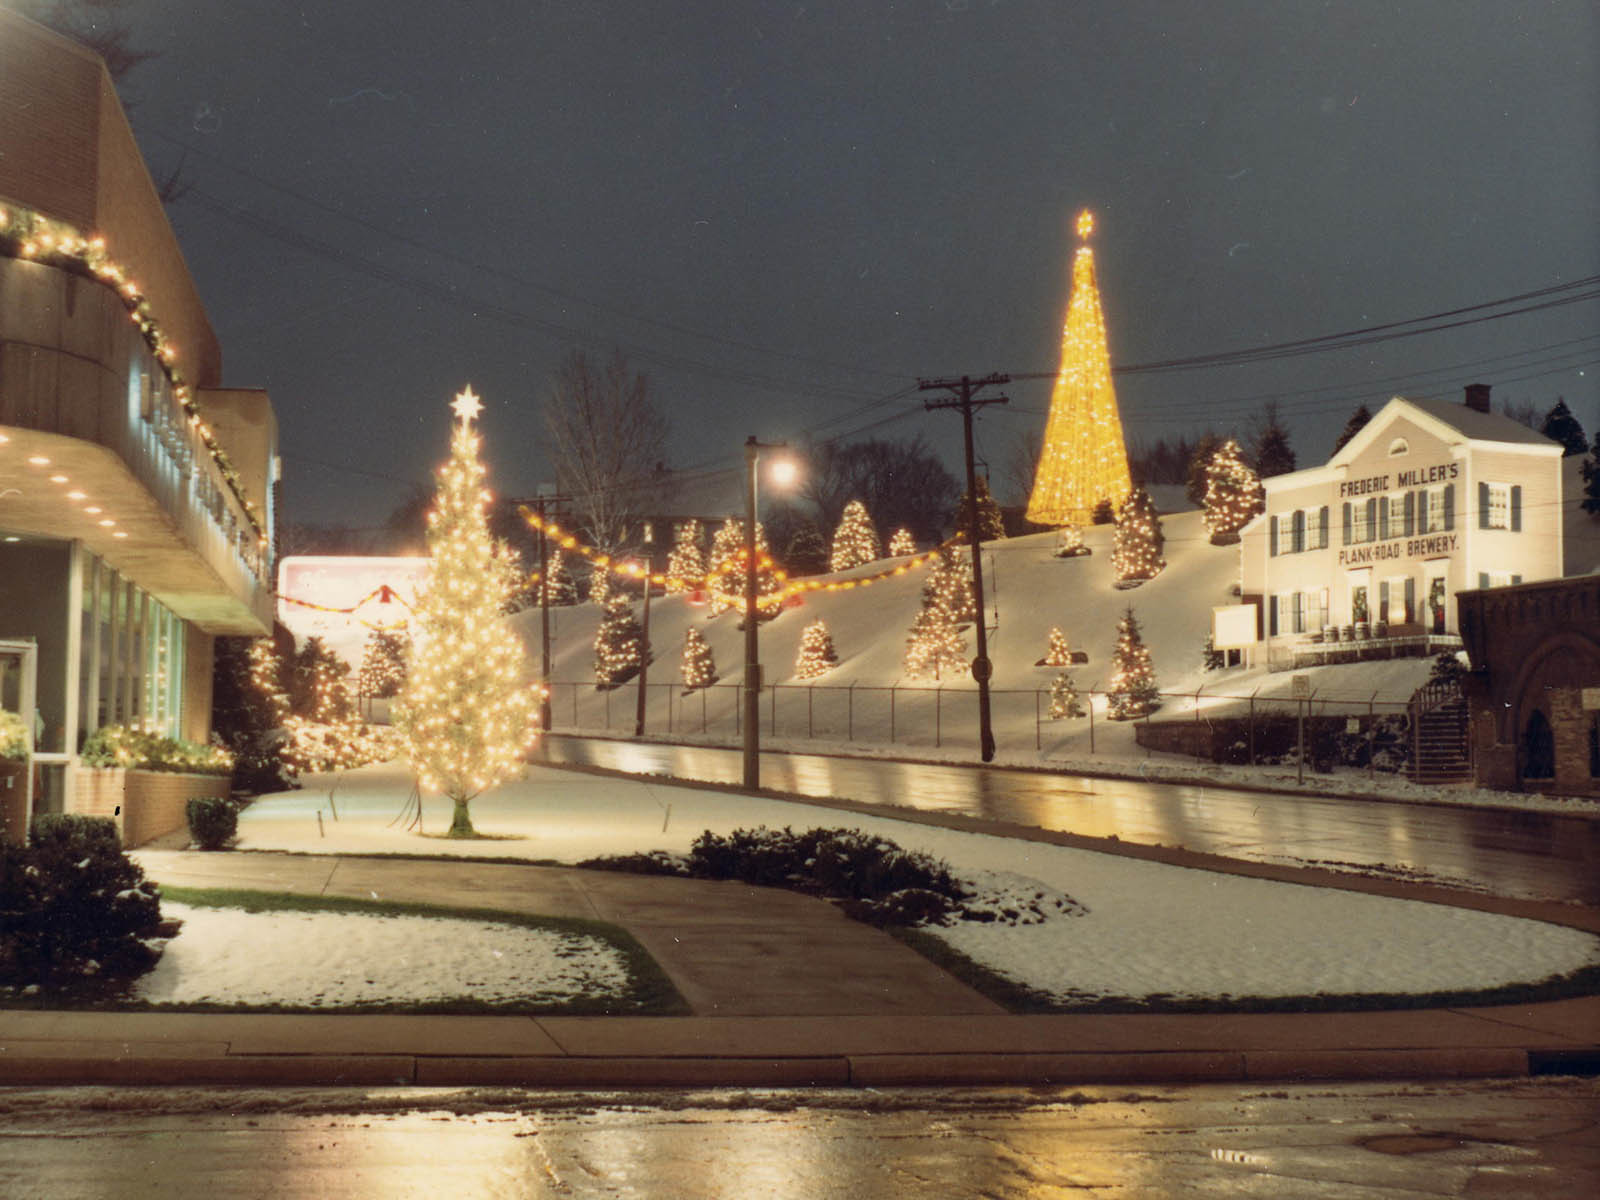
(328,959)
(1149,928)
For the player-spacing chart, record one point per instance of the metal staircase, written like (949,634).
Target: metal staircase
(1441,746)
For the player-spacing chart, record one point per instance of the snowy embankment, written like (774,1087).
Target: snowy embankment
(1144,928)
(228,956)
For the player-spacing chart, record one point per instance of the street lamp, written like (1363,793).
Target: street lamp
(644,654)
(783,474)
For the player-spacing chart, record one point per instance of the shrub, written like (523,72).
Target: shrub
(73,906)
(13,735)
(128,746)
(212,821)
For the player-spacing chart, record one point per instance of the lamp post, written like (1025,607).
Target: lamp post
(644,654)
(783,474)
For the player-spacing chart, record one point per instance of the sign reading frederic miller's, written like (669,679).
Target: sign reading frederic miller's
(1431,498)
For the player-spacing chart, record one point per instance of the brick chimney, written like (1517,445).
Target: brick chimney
(1478,397)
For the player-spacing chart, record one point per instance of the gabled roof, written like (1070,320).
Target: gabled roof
(1451,421)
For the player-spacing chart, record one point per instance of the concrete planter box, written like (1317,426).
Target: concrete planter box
(144,804)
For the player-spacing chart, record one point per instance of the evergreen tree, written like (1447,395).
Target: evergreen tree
(1199,467)
(991,523)
(1273,453)
(1069,542)
(698,666)
(383,664)
(1561,426)
(1211,658)
(902,543)
(807,553)
(618,643)
(1136,545)
(855,541)
(467,712)
(266,676)
(1233,494)
(318,686)
(686,565)
(817,654)
(1133,681)
(1357,422)
(935,646)
(245,713)
(726,576)
(950,582)
(599,584)
(1058,653)
(1064,701)
(1591,478)
(563,590)
(1104,513)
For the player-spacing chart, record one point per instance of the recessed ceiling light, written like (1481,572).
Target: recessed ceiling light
(58,479)
(120,533)
(107,522)
(39,460)
(3,439)
(13,538)
(93,508)
(75,495)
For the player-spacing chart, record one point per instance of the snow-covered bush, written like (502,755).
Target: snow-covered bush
(129,746)
(213,821)
(73,906)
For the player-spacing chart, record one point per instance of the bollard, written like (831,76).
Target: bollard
(811,727)
(850,714)
(892,693)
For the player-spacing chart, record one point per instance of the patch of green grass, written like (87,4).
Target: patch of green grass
(649,991)
(1020,998)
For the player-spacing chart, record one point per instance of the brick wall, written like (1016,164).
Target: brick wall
(145,804)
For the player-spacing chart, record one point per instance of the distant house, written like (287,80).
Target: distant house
(1365,555)
(136,492)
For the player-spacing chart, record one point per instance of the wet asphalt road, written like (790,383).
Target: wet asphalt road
(1532,856)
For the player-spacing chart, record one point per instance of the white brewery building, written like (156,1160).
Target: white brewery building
(1364,556)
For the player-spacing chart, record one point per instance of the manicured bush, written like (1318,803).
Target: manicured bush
(13,735)
(127,746)
(73,906)
(212,821)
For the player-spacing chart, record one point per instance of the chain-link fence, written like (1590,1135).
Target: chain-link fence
(1246,728)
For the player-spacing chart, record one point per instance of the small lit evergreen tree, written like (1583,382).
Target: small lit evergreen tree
(1064,702)
(1136,546)
(698,665)
(1059,652)
(618,643)
(817,654)
(951,582)
(383,664)
(266,672)
(1132,692)
(902,543)
(563,590)
(855,541)
(1560,425)
(1233,494)
(1069,542)
(467,712)
(599,584)
(686,565)
(727,574)
(936,645)
(991,524)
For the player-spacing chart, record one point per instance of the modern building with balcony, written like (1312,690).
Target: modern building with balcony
(136,492)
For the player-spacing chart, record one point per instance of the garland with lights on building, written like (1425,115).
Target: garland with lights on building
(1064,702)
(902,543)
(1233,494)
(817,655)
(31,235)
(698,665)
(1137,543)
(855,542)
(686,565)
(383,665)
(467,713)
(1058,653)
(936,645)
(1132,691)
(618,643)
(1083,461)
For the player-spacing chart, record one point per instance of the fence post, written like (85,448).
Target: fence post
(850,714)
(938,716)
(1038,730)
(1300,767)
(1091,721)
(892,692)
(1253,727)
(738,708)
(772,712)
(811,728)
(574,706)
(608,710)
(1197,692)
(1372,733)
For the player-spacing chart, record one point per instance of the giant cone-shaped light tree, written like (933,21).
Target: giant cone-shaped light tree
(1083,462)
(467,711)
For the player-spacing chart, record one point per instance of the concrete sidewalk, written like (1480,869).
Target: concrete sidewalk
(784,991)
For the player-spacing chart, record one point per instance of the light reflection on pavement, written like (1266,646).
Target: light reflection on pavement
(1524,855)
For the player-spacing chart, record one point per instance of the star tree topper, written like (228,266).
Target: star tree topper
(467,405)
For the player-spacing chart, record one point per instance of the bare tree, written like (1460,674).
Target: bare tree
(608,441)
(902,483)
(91,23)
(1021,463)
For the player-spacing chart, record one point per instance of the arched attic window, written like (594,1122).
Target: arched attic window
(1398,447)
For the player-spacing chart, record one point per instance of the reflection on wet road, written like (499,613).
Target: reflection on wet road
(1522,855)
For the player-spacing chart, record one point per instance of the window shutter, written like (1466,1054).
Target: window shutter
(1516,508)
(1383,600)
(1272,616)
(1422,511)
(1324,599)
(1297,530)
(1299,612)
(1383,517)
(1272,537)
(1322,527)
(1411,597)
(1516,579)
(1483,505)
(1347,522)
(1372,519)
(1449,506)
(1483,579)
(1411,512)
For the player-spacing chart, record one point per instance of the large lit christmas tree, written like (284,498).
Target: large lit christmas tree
(1233,493)
(1083,461)
(467,712)
(855,541)
(816,655)
(1136,545)
(686,565)
(1132,692)
(698,666)
(618,643)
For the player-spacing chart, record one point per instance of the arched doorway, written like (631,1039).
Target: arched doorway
(1538,747)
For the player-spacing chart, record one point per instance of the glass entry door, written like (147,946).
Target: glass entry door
(18,681)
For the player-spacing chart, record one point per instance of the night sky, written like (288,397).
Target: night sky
(784,214)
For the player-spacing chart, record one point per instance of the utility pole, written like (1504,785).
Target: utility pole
(539,503)
(644,654)
(962,397)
